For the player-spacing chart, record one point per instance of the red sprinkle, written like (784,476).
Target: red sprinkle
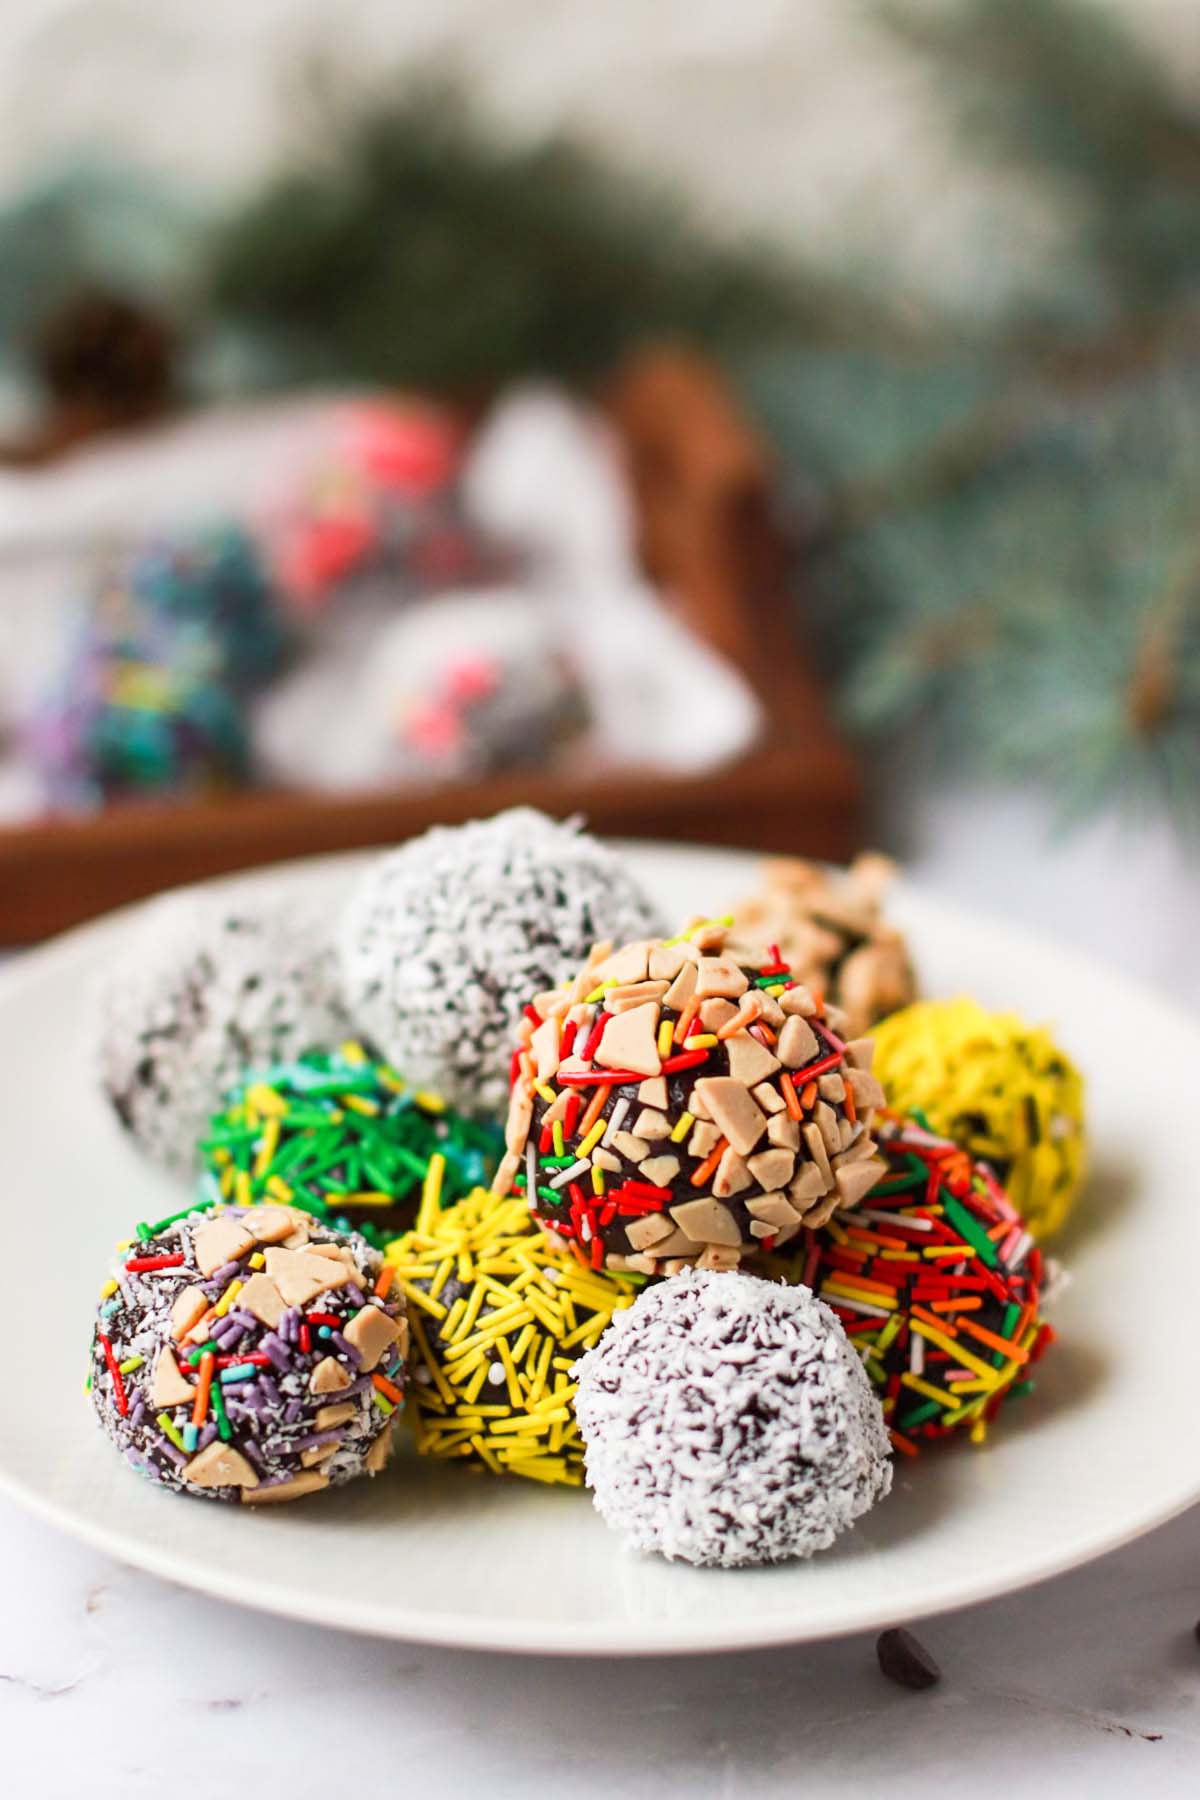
(119,1393)
(140,1263)
(257,1357)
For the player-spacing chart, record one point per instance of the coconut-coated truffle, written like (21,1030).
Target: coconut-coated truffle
(687,1101)
(204,986)
(728,1420)
(249,1354)
(1003,1089)
(445,939)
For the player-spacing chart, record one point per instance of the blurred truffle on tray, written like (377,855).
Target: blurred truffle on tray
(829,924)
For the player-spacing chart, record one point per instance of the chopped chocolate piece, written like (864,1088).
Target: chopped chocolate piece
(905,1660)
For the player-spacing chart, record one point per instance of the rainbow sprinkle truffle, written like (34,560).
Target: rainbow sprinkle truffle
(498,1317)
(1002,1089)
(686,1101)
(938,1283)
(346,1140)
(249,1354)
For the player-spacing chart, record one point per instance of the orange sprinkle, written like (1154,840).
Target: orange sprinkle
(993,1341)
(849,1104)
(701,1174)
(943,1325)
(684,1021)
(384,1282)
(808,1098)
(595,1107)
(970,1304)
(902,1443)
(764,1033)
(208,1363)
(818,995)
(389,1388)
(791,1098)
(738,1023)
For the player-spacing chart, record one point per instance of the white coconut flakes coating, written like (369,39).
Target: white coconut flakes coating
(728,1420)
(204,987)
(445,940)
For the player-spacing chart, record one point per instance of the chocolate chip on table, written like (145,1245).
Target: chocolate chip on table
(905,1661)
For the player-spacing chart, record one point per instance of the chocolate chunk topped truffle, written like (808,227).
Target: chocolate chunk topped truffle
(686,1101)
(249,1354)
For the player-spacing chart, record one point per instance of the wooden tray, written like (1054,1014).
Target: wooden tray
(704,490)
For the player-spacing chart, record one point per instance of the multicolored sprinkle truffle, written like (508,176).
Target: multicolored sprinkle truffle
(249,1354)
(728,1421)
(938,1283)
(829,925)
(347,1141)
(205,985)
(498,1317)
(1002,1089)
(686,1101)
(445,939)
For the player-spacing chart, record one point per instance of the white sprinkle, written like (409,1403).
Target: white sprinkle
(614,1123)
(496,1376)
(565,1175)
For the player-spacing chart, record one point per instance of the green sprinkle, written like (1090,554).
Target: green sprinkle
(224,1429)
(921,1416)
(969,1228)
(167,1426)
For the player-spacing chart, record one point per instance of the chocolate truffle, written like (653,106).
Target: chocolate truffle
(203,985)
(727,1421)
(829,925)
(348,1141)
(687,1101)
(1002,1089)
(445,939)
(249,1354)
(499,1315)
(938,1283)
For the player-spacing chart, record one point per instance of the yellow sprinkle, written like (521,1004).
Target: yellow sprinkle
(666,1032)
(941,1395)
(353,1052)
(242,1187)
(545,1093)
(109,1289)
(278,1188)
(267,1148)
(598,1182)
(265,1100)
(557,1134)
(431,1192)
(588,1144)
(227,1299)
(702,1040)
(428,1101)
(684,1125)
(258,1260)
(954,1348)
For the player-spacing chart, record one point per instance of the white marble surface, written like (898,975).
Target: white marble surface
(113,1683)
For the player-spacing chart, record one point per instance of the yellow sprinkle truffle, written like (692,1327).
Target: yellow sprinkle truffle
(1002,1089)
(498,1317)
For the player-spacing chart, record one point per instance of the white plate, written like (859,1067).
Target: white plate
(1106,1448)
